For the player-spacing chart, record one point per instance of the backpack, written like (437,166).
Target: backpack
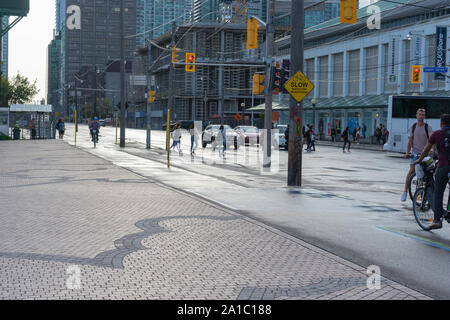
(447,143)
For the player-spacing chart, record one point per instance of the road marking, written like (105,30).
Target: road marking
(418,238)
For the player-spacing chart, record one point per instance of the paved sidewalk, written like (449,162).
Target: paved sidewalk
(354,145)
(65,210)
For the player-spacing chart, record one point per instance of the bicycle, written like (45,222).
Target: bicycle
(95,137)
(423,197)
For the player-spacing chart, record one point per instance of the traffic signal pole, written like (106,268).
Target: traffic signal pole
(171,67)
(296,109)
(270,30)
(149,106)
(122,75)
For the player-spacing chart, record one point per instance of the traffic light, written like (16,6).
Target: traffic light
(151,96)
(258,83)
(252,33)
(415,74)
(285,73)
(190,62)
(174,54)
(276,84)
(348,11)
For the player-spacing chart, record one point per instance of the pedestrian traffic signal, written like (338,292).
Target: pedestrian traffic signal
(151,96)
(415,74)
(252,33)
(276,84)
(258,85)
(348,11)
(190,62)
(174,54)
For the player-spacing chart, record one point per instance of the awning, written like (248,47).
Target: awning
(31,108)
(366,101)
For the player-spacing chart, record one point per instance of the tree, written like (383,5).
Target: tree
(5,91)
(22,90)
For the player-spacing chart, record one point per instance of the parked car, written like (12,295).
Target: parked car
(280,140)
(210,133)
(248,135)
(102,122)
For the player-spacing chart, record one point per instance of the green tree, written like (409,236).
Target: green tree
(5,91)
(22,90)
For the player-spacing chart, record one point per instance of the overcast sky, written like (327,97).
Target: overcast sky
(28,42)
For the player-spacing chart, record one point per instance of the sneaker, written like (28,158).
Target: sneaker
(404,194)
(436,225)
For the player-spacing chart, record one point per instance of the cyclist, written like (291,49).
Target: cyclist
(419,133)
(94,125)
(440,138)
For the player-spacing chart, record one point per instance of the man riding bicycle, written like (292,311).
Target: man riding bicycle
(419,133)
(440,138)
(94,125)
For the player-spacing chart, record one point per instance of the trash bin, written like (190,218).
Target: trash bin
(16,133)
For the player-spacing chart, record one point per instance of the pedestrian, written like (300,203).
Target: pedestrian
(364,129)
(312,145)
(358,135)
(61,127)
(176,136)
(333,134)
(286,136)
(33,129)
(308,133)
(346,137)
(354,133)
(383,134)
(222,141)
(194,138)
(419,134)
(440,139)
(305,133)
(378,134)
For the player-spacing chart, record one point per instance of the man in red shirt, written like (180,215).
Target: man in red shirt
(441,176)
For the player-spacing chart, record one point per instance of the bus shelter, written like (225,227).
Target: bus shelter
(38,121)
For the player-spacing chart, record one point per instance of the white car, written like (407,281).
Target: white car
(210,133)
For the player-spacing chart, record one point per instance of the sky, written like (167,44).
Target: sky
(28,42)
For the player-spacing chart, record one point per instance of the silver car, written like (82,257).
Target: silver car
(210,133)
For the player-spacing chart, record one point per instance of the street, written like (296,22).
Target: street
(349,204)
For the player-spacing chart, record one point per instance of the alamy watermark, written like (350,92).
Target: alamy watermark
(73,282)
(374,280)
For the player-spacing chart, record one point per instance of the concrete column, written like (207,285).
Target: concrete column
(330,75)
(345,75)
(380,70)
(362,71)
(316,77)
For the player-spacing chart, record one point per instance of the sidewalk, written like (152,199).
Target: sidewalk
(133,238)
(355,145)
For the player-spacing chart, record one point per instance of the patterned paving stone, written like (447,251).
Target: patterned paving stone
(76,227)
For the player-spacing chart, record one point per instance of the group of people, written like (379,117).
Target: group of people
(382,134)
(420,144)
(176,136)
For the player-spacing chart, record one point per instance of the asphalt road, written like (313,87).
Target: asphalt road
(348,205)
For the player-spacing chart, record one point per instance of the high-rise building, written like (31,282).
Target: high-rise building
(94,46)
(54,71)
(4,44)
(157,16)
(320,12)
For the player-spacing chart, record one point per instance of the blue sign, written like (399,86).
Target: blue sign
(435,69)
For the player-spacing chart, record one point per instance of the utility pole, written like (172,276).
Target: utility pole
(149,105)
(170,101)
(296,109)
(270,30)
(1,60)
(122,75)
(95,91)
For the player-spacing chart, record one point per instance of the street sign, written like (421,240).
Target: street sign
(238,117)
(435,69)
(299,86)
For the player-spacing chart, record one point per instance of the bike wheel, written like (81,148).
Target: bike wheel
(423,212)
(412,185)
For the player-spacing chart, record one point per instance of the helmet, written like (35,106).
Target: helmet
(428,163)
(95,118)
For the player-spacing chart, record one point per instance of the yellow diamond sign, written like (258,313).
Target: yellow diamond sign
(299,86)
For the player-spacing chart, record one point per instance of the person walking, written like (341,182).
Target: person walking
(312,146)
(383,134)
(61,127)
(176,136)
(358,135)
(364,129)
(378,134)
(419,134)
(222,141)
(308,133)
(194,138)
(333,134)
(346,137)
